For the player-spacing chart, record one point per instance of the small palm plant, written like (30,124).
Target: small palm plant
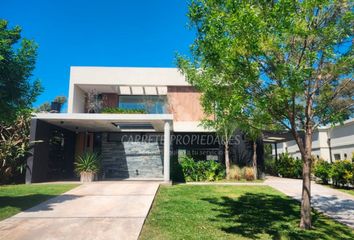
(87,166)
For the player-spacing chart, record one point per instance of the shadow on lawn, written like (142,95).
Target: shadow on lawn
(29,202)
(254,214)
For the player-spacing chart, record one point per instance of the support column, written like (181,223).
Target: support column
(29,167)
(166,152)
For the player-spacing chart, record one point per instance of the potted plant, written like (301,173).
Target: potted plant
(94,102)
(57,103)
(87,166)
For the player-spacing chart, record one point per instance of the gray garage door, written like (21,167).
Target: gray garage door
(132,155)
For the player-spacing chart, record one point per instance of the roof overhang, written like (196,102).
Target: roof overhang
(124,89)
(83,122)
(278,136)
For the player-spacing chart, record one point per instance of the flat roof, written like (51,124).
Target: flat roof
(139,76)
(81,122)
(103,116)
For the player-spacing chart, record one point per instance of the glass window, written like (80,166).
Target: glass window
(151,104)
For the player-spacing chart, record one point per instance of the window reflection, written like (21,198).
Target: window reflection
(151,104)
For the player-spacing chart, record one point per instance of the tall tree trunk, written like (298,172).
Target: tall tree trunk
(255,159)
(227,160)
(305,221)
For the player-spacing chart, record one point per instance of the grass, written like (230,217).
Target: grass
(240,181)
(16,198)
(345,190)
(232,212)
(349,191)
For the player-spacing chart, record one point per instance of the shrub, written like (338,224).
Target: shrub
(15,147)
(298,166)
(235,172)
(60,99)
(122,111)
(341,172)
(352,179)
(271,167)
(289,167)
(249,174)
(201,170)
(213,170)
(188,168)
(87,162)
(322,170)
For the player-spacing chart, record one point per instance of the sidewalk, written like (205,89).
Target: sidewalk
(331,202)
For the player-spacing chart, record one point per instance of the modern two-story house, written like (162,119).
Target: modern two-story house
(164,122)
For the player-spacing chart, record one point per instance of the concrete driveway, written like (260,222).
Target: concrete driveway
(331,202)
(100,210)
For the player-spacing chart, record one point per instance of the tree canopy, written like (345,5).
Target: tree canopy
(17,61)
(286,62)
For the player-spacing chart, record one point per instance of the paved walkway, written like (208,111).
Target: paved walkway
(333,203)
(100,210)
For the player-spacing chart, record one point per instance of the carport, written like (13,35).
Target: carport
(275,137)
(129,158)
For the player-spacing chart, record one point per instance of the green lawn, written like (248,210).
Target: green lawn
(15,198)
(232,212)
(239,181)
(350,191)
(346,190)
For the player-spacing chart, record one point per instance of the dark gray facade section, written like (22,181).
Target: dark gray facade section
(241,151)
(132,155)
(38,164)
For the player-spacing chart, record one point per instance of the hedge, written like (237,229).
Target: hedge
(286,166)
(340,173)
(201,170)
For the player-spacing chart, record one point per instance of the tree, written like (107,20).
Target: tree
(47,107)
(17,91)
(225,129)
(252,121)
(60,99)
(294,59)
(220,104)
(44,107)
(14,146)
(94,102)
(254,134)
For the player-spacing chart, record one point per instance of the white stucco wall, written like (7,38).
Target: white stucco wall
(76,101)
(127,76)
(116,78)
(342,142)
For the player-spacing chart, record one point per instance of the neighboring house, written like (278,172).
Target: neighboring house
(131,146)
(329,143)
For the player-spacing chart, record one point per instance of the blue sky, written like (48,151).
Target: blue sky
(99,33)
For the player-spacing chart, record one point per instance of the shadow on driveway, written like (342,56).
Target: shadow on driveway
(25,203)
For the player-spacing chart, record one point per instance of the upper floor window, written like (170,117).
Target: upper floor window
(151,104)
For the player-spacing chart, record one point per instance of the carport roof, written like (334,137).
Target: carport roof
(278,136)
(81,122)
